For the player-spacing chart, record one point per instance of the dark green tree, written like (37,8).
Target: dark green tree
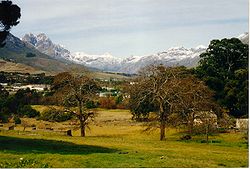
(224,68)
(4,113)
(9,15)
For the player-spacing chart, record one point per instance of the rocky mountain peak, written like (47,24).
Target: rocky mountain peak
(244,38)
(173,56)
(44,44)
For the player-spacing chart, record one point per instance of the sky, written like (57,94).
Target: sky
(132,27)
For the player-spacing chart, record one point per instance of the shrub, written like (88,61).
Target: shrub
(30,55)
(4,114)
(107,103)
(27,111)
(55,115)
(91,104)
(17,120)
(186,137)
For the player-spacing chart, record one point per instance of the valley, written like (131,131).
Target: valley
(124,84)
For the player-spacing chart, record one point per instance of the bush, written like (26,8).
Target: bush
(91,105)
(186,137)
(27,111)
(107,103)
(55,115)
(17,120)
(4,114)
(30,55)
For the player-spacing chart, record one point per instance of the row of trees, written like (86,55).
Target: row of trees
(25,78)
(17,105)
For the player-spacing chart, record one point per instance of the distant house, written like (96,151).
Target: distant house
(37,87)
(242,124)
(205,116)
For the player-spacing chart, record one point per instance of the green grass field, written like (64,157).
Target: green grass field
(115,141)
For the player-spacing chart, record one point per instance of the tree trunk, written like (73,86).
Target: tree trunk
(163,119)
(191,124)
(162,128)
(82,122)
(82,128)
(207,132)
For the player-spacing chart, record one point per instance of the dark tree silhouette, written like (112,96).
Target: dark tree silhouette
(224,68)
(9,15)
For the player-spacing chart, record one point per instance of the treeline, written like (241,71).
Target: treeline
(25,78)
(18,105)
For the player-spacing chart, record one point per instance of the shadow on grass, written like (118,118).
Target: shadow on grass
(41,146)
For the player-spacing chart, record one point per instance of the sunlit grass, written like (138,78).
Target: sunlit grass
(116,141)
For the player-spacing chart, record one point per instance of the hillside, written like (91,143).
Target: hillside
(16,51)
(17,67)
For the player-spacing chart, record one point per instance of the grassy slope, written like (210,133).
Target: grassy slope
(115,141)
(105,75)
(17,67)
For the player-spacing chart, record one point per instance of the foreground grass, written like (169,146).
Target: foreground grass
(115,141)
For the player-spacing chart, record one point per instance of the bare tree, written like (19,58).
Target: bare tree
(165,91)
(193,98)
(76,91)
(155,91)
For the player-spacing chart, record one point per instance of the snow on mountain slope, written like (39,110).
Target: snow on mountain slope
(244,38)
(42,43)
(106,62)
(172,57)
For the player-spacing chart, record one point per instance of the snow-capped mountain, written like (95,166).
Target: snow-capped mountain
(107,62)
(42,43)
(244,38)
(172,57)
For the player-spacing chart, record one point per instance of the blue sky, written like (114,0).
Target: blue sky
(132,27)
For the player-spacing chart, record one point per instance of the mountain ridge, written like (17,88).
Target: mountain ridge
(18,51)
(107,62)
(174,56)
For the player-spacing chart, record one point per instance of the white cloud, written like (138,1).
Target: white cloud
(137,24)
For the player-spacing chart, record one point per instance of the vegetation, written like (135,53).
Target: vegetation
(171,99)
(17,104)
(30,55)
(27,111)
(165,91)
(117,142)
(224,68)
(9,15)
(76,91)
(25,78)
(55,115)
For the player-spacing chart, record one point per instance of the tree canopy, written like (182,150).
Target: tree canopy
(9,15)
(224,68)
(166,90)
(76,91)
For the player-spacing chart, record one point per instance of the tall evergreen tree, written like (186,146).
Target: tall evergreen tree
(9,15)
(224,68)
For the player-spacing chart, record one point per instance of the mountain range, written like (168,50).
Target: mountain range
(106,62)
(28,58)
(40,53)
